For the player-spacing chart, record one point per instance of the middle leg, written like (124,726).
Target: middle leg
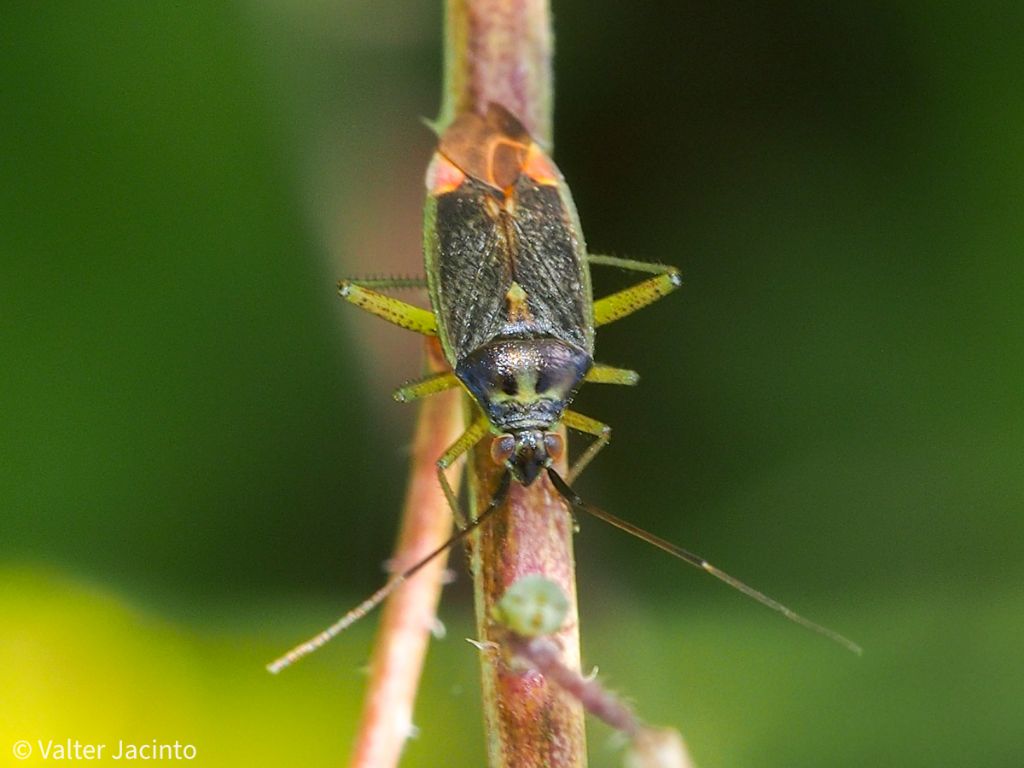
(627,301)
(428,385)
(607,374)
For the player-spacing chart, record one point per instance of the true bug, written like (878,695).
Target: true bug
(509,282)
(508,275)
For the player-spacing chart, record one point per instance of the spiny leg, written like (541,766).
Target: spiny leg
(607,374)
(401,313)
(582,423)
(629,300)
(473,435)
(388,283)
(633,265)
(428,385)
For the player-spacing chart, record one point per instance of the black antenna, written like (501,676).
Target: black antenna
(350,618)
(697,562)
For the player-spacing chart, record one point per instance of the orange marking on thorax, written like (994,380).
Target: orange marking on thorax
(443,175)
(505,158)
(492,148)
(538,166)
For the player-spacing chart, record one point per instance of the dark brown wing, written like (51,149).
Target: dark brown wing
(549,262)
(468,269)
(505,256)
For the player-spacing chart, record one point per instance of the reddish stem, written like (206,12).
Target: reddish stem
(499,51)
(531,722)
(409,614)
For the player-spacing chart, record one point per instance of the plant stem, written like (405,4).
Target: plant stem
(409,614)
(546,657)
(499,51)
(495,51)
(530,722)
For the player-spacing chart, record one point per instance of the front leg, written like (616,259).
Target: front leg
(473,435)
(582,423)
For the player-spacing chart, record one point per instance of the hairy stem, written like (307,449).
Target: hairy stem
(499,51)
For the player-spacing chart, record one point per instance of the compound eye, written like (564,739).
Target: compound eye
(502,448)
(554,445)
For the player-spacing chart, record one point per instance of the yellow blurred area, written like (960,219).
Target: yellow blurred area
(83,663)
(79,662)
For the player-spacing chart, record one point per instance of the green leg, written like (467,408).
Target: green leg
(582,423)
(606,374)
(627,301)
(393,310)
(473,435)
(428,385)
(388,283)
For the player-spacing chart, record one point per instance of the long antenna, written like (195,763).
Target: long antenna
(350,618)
(697,562)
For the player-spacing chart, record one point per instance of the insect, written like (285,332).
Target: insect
(509,282)
(508,276)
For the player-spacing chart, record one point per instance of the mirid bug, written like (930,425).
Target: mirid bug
(508,276)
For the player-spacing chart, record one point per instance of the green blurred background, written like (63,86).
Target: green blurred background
(200,462)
